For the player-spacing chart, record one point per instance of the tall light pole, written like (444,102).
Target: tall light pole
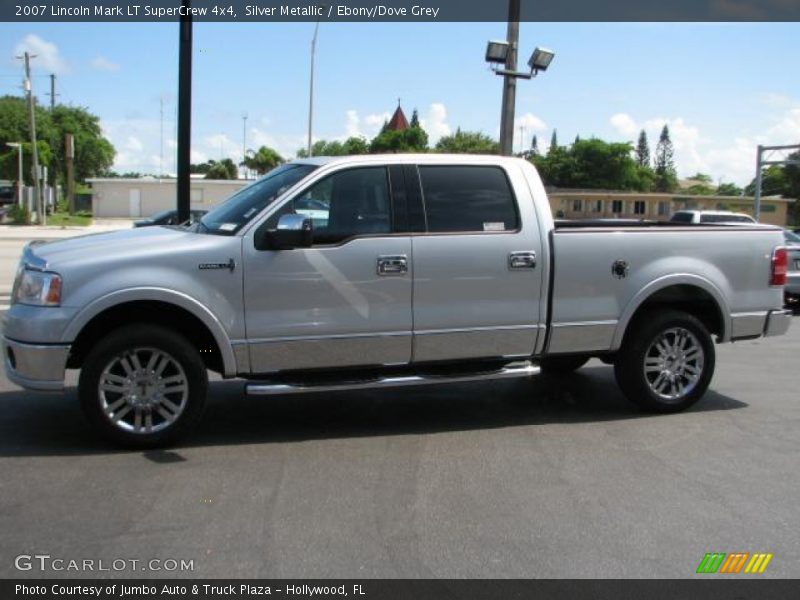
(505,53)
(510,82)
(18,146)
(311,86)
(184,113)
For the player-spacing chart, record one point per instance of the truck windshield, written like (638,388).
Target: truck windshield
(233,213)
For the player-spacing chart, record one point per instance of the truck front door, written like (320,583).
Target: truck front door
(345,301)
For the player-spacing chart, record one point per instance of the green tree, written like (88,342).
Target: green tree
(223,169)
(728,189)
(467,142)
(554,140)
(352,145)
(414,119)
(594,164)
(94,154)
(773,182)
(643,150)
(413,139)
(263,160)
(14,127)
(666,177)
(534,145)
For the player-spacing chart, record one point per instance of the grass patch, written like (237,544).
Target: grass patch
(63,219)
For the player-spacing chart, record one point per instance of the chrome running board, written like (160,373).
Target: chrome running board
(266,388)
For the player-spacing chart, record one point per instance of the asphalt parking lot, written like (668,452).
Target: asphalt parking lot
(533,478)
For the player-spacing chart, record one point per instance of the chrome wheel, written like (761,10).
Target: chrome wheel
(143,390)
(673,364)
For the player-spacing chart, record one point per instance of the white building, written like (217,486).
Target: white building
(145,196)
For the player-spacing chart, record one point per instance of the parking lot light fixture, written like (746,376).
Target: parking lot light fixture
(541,59)
(497,52)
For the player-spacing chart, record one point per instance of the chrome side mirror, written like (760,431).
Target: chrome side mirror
(293,231)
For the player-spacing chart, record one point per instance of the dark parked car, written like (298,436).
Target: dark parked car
(169,217)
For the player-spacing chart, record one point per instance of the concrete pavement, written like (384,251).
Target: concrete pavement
(540,478)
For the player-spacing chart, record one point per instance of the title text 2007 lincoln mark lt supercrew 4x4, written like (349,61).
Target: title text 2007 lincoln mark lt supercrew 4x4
(383,270)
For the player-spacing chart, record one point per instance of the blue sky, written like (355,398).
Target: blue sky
(723,88)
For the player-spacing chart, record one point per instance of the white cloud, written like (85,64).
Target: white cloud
(624,124)
(47,58)
(352,123)
(357,126)
(525,127)
(133,144)
(435,123)
(101,63)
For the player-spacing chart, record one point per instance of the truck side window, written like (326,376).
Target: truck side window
(344,205)
(468,199)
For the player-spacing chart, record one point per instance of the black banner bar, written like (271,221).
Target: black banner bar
(398,10)
(428,589)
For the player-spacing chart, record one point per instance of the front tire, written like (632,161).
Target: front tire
(143,386)
(666,361)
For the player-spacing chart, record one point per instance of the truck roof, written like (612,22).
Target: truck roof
(472,159)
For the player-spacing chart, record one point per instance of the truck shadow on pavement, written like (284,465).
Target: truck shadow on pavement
(34,424)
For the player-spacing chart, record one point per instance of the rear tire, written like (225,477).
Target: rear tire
(143,386)
(561,365)
(666,361)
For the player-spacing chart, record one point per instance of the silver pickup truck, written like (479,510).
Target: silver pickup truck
(392,270)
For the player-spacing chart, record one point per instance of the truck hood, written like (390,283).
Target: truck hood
(107,246)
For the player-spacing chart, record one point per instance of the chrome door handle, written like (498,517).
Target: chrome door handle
(522,260)
(393,265)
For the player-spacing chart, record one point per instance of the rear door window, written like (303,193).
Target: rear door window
(468,199)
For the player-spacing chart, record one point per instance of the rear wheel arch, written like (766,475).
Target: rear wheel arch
(688,293)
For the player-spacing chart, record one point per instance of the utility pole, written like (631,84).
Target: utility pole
(69,154)
(52,93)
(244,142)
(510,82)
(161,139)
(184,112)
(311,86)
(521,139)
(34,150)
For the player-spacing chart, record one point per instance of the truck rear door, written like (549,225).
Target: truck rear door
(478,280)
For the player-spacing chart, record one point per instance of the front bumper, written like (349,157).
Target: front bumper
(35,366)
(778,322)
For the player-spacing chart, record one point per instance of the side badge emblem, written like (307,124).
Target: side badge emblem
(230,265)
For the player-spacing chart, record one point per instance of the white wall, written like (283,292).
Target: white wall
(111,197)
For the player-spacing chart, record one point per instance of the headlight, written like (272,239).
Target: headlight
(38,288)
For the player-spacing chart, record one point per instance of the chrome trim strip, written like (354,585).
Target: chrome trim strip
(36,366)
(583,337)
(748,324)
(585,323)
(272,389)
(334,336)
(778,322)
(477,329)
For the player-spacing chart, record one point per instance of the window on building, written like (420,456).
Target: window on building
(616,206)
(597,206)
(663,209)
(577,205)
(639,207)
(468,199)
